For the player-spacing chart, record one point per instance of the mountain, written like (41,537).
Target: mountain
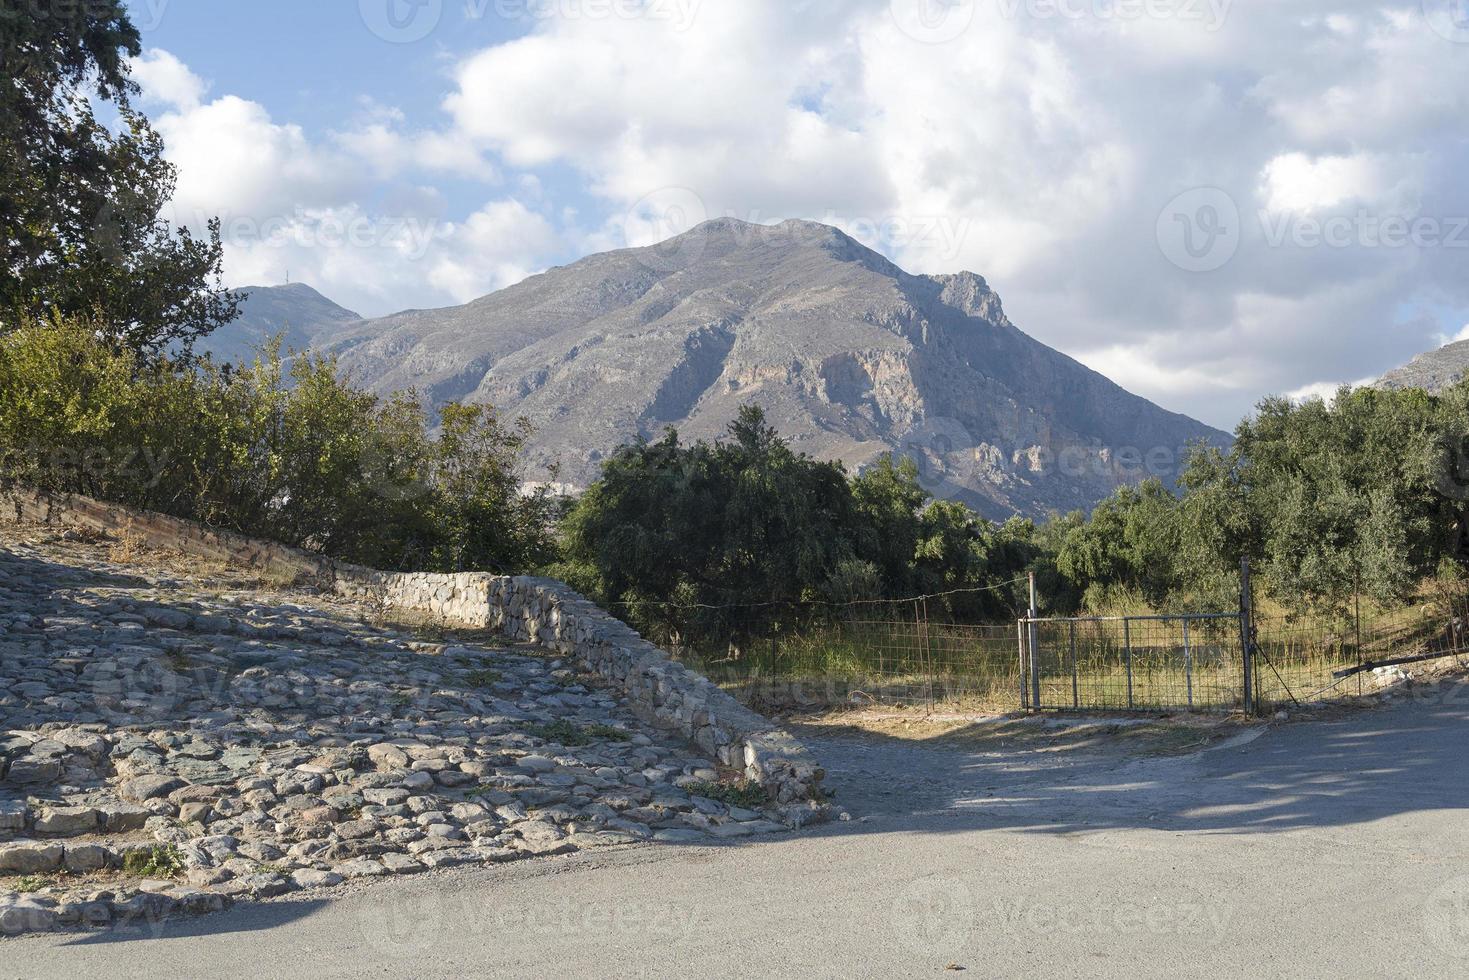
(1433,370)
(296,310)
(851,357)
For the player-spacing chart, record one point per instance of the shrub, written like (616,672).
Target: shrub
(303,458)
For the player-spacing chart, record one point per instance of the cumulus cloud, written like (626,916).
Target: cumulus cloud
(1049,137)
(326,210)
(166,80)
(1040,144)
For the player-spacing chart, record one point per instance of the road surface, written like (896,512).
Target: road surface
(1333,847)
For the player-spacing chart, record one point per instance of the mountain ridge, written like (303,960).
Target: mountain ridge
(851,357)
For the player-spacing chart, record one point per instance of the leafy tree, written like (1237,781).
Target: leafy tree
(80,231)
(313,463)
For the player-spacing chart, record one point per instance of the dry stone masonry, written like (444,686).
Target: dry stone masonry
(178,734)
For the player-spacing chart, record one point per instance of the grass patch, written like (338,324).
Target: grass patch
(565,733)
(159,861)
(31,883)
(482,678)
(744,793)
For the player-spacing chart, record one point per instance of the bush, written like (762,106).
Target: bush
(313,463)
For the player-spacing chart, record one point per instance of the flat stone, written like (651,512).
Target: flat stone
(401,864)
(67,821)
(361,868)
(88,857)
(119,818)
(536,763)
(387,756)
(679,836)
(33,771)
(30,857)
(141,789)
(309,878)
(13,816)
(22,917)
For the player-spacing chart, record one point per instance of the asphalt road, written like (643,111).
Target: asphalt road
(1317,848)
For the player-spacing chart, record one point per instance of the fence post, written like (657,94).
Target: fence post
(1247,653)
(1075,674)
(1188,663)
(1127,641)
(1024,673)
(1035,674)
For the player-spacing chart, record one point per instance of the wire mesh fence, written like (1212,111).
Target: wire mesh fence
(912,662)
(896,654)
(1319,657)
(1135,663)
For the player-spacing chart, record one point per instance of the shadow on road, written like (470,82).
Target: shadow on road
(1360,766)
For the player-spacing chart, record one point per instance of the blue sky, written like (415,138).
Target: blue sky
(1184,194)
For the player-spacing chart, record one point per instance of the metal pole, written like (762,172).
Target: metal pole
(1188,663)
(1024,683)
(1035,674)
(1127,640)
(1246,653)
(1075,686)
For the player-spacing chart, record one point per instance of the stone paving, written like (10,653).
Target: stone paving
(175,736)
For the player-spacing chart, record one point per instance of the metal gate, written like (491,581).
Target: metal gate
(1184,662)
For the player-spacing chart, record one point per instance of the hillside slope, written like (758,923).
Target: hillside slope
(850,356)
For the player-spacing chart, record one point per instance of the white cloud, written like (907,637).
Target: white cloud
(1325,390)
(326,212)
(1461,334)
(493,248)
(166,80)
(1047,145)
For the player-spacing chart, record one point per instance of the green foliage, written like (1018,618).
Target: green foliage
(313,463)
(1362,496)
(157,861)
(563,732)
(744,793)
(80,231)
(730,539)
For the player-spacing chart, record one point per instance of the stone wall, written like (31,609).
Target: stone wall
(538,610)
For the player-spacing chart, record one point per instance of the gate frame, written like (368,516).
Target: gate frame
(1028,634)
